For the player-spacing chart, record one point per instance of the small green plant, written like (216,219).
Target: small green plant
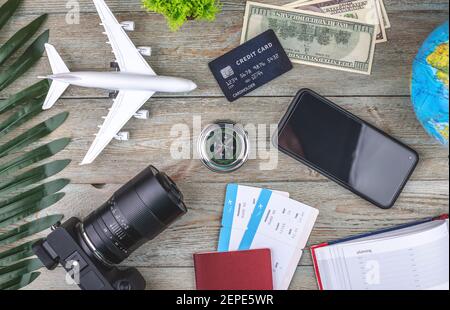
(178,12)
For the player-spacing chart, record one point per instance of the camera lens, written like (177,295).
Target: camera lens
(135,214)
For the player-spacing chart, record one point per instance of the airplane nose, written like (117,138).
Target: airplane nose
(192,85)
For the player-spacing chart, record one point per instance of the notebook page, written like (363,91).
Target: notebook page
(325,268)
(339,268)
(418,261)
(400,232)
(330,258)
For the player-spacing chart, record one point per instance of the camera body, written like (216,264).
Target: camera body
(65,246)
(89,250)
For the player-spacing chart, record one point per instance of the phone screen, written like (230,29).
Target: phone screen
(346,149)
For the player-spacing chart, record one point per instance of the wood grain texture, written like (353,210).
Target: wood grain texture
(61,6)
(382,99)
(162,278)
(167,261)
(341,214)
(152,140)
(186,53)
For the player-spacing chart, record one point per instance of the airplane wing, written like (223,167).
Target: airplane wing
(127,102)
(127,55)
(125,106)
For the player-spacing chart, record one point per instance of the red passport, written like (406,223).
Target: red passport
(238,270)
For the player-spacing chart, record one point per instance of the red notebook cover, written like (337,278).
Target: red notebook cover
(238,270)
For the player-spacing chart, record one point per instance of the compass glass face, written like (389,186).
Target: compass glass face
(223,147)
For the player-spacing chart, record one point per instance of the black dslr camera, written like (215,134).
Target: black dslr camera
(89,250)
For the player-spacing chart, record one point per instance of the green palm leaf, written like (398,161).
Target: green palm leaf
(22,202)
(32,195)
(20,38)
(34,175)
(20,282)
(18,253)
(26,113)
(28,229)
(34,156)
(21,207)
(25,61)
(7,10)
(33,134)
(19,269)
(36,90)
(8,218)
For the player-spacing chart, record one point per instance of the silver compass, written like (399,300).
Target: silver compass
(223,146)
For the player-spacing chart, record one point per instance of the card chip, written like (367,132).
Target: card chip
(227,72)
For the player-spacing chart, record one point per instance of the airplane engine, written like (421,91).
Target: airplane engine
(122,136)
(142,114)
(127,25)
(145,50)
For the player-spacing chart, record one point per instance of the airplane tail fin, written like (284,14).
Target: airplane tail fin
(55,91)
(58,66)
(56,62)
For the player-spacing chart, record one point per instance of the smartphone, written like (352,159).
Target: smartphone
(346,149)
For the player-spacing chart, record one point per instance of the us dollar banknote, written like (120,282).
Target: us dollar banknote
(386,21)
(315,39)
(367,11)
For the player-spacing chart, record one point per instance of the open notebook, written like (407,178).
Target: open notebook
(409,257)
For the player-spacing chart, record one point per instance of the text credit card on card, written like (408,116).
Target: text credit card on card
(250,65)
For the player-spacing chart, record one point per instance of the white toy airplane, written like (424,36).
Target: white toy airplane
(136,82)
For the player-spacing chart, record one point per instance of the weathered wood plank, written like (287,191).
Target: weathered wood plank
(187,53)
(165,279)
(341,214)
(151,140)
(166,262)
(57,6)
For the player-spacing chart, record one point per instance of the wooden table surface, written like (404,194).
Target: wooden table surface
(381,98)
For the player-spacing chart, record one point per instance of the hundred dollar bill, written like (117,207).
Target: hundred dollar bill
(385,17)
(387,22)
(367,11)
(314,39)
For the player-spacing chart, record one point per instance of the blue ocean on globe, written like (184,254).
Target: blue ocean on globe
(430,84)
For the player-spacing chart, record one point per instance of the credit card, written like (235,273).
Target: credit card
(250,65)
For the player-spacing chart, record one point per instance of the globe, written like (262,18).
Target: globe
(429,85)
